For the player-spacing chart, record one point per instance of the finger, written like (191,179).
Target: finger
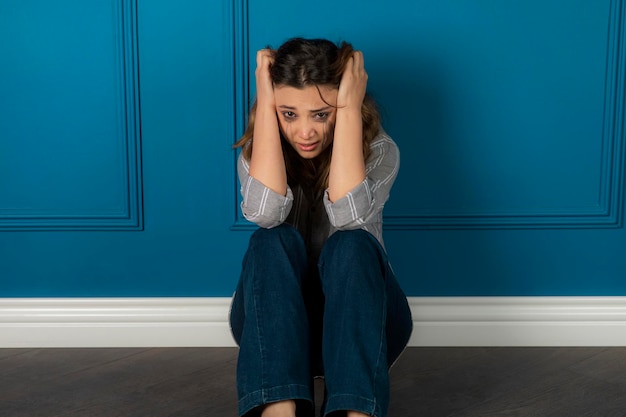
(259,57)
(264,56)
(358,60)
(349,65)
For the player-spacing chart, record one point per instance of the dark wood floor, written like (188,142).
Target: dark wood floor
(181,382)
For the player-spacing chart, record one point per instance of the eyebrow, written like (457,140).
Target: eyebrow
(311,111)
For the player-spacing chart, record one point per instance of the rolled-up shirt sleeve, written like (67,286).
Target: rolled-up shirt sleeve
(364,204)
(260,204)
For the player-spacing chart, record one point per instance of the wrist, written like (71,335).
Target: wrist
(265,107)
(349,112)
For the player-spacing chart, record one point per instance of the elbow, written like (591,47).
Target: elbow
(348,222)
(353,225)
(266,222)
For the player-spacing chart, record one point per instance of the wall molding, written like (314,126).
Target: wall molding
(203,322)
(129,214)
(606,212)
(240,87)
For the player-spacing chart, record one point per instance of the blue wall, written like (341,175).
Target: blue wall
(117,176)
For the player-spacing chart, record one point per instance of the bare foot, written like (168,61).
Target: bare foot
(280,409)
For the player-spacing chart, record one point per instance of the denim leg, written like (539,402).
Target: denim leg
(361,294)
(269,322)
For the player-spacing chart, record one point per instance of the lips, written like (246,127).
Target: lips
(308,147)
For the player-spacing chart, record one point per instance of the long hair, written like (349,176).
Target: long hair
(302,63)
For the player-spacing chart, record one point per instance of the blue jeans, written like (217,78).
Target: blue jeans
(345,318)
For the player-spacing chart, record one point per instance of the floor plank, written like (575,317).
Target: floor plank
(430,382)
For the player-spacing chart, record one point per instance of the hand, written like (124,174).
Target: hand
(353,83)
(264,86)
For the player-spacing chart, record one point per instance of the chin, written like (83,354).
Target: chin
(308,155)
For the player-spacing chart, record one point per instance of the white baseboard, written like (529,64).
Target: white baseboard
(198,322)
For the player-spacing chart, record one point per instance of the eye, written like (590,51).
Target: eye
(289,115)
(321,116)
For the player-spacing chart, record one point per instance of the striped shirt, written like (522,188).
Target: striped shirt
(360,208)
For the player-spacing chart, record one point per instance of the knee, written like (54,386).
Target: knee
(279,237)
(275,252)
(353,246)
(352,259)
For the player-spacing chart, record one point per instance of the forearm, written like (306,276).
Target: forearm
(267,163)
(347,166)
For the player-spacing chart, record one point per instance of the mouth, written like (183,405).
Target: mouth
(308,147)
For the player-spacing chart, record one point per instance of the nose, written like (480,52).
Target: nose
(306,130)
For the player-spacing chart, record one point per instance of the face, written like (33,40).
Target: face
(306,119)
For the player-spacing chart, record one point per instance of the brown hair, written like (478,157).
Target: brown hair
(302,63)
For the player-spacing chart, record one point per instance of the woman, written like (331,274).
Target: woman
(316,296)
